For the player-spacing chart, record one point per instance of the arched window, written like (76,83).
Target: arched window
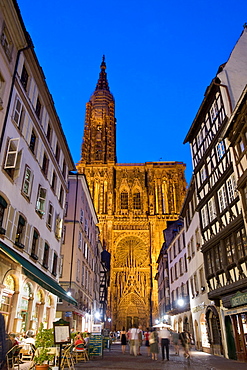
(124,200)
(137,201)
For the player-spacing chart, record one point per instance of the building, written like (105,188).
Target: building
(133,203)
(236,134)
(196,273)
(179,311)
(162,277)
(34,165)
(221,220)
(81,257)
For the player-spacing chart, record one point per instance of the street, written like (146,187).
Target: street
(114,359)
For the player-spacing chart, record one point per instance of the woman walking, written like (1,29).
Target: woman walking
(146,336)
(123,339)
(154,344)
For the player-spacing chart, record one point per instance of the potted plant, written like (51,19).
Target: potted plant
(44,340)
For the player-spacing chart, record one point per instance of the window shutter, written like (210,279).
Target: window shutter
(50,259)
(41,249)
(27,237)
(27,128)
(40,152)
(14,230)
(10,221)
(12,152)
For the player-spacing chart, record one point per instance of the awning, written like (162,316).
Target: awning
(33,273)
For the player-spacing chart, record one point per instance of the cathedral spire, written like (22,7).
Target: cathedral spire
(102,82)
(99,139)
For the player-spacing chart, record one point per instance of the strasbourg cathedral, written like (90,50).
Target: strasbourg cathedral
(133,203)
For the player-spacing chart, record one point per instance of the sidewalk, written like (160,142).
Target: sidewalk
(114,359)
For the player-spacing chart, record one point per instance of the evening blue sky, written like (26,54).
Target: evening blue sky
(160,56)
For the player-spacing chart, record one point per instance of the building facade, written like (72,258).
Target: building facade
(198,288)
(221,221)
(34,165)
(179,311)
(133,203)
(236,134)
(81,257)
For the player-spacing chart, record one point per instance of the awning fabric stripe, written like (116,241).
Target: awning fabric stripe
(33,273)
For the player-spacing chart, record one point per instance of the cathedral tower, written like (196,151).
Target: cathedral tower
(99,144)
(133,204)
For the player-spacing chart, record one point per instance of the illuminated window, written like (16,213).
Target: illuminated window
(20,232)
(136,201)
(27,181)
(222,198)
(124,200)
(220,149)
(40,205)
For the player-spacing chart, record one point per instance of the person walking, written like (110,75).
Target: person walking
(154,344)
(140,339)
(175,341)
(123,339)
(185,340)
(164,337)
(134,342)
(146,337)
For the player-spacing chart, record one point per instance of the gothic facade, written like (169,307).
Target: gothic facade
(133,203)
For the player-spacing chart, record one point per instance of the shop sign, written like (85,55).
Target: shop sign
(200,307)
(68,314)
(238,299)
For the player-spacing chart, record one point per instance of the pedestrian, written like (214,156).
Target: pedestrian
(175,341)
(164,337)
(123,339)
(140,339)
(154,344)
(185,340)
(134,342)
(146,336)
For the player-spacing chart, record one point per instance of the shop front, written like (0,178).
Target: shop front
(27,295)
(236,327)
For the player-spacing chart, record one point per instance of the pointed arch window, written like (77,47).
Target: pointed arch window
(137,200)
(124,200)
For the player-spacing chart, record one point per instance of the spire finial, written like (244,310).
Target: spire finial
(103,65)
(102,82)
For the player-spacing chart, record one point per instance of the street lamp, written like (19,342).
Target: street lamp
(97,315)
(180,302)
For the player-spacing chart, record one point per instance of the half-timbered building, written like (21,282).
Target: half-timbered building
(236,301)
(221,220)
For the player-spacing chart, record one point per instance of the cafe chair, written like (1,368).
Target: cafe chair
(67,358)
(80,353)
(27,352)
(13,357)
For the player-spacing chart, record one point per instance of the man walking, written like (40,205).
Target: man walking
(164,337)
(134,342)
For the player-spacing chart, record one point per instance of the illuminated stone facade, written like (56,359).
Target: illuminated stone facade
(133,203)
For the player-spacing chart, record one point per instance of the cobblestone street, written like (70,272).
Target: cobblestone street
(114,359)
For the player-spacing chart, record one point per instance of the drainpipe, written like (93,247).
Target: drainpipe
(11,90)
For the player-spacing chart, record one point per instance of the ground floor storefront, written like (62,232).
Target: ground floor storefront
(27,295)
